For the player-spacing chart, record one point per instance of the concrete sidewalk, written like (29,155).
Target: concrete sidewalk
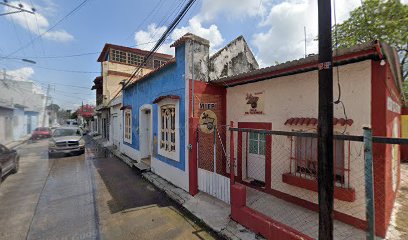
(15,144)
(211,211)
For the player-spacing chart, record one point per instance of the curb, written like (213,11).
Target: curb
(19,143)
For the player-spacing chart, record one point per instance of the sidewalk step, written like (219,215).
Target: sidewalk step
(125,158)
(142,166)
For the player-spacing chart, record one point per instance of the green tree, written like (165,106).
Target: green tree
(384,20)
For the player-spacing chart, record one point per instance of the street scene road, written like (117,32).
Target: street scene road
(88,196)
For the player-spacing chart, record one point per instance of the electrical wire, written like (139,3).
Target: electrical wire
(161,23)
(72,55)
(155,8)
(51,28)
(158,44)
(56,69)
(338,101)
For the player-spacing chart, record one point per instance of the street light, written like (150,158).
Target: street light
(29,61)
(22,59)
(19,8)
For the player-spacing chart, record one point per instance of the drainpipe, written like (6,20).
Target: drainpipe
(192,80)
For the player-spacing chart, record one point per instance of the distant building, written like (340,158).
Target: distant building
(28,105)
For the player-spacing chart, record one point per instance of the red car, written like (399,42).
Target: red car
(40,133)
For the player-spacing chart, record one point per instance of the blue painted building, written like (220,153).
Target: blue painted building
(155,113)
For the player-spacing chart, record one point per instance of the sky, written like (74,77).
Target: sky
(274,29)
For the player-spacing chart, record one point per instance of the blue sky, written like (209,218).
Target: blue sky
(274,30)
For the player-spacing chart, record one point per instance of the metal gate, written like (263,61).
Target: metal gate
(212,159)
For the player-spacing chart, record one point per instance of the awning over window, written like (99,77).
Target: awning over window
(164,97)
(126,107)
(313,121)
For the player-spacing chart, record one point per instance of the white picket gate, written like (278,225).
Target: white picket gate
(214,184)
(211,161)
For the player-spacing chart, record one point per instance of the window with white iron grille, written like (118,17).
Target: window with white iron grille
(128,126)
(168,127)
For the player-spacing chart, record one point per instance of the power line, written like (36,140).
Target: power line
(156,7)
(73,55)
(49,29)
(64,70)
(159,43)
(54,69)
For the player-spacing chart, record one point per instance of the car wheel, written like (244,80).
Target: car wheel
(16,166)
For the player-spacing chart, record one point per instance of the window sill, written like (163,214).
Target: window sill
(343,194)
(173,156)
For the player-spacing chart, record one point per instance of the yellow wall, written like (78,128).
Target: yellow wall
(111,82)
(404,126)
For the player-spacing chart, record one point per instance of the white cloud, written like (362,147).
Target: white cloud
(284,38)
(21,74)
(147,39)
(279,35)
(233,9)
(153,32)
(59,36)
(195,27)
(37,24)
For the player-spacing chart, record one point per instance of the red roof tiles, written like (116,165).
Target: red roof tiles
(313,121)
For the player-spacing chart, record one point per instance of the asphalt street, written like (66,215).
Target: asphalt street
(88,196)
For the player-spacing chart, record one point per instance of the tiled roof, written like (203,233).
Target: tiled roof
(313,121)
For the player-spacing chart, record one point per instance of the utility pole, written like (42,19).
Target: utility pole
(19,9)
(325,126)
(304,30)
(45,106)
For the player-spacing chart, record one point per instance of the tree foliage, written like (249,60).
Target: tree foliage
(384,20)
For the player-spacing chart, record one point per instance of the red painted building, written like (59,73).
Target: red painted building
(285,98)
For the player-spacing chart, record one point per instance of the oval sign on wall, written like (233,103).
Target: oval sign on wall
(208,121)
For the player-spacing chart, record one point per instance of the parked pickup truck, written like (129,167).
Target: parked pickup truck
(66,140)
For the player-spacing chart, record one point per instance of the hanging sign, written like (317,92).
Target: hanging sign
(208,121)
(255,103)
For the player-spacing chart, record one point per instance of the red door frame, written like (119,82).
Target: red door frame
(268,146)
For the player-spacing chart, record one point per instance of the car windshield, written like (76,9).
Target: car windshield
(41,129)
(66,132)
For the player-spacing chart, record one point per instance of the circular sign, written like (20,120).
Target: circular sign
(208,121)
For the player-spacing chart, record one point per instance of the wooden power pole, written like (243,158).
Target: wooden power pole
(325,126)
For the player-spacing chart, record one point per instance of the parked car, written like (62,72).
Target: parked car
(9,161)
(40,133)
(66,140)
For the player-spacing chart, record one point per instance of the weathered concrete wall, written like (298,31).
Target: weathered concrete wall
(197,50)
(235,58)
